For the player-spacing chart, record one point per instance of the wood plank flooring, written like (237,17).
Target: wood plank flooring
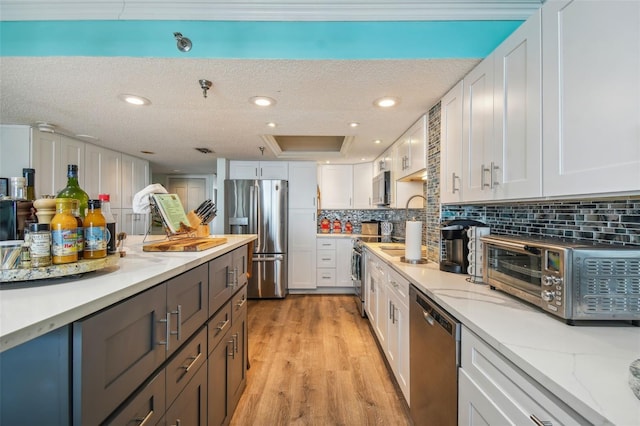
(314,361)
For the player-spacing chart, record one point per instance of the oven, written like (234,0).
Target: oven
(357,273)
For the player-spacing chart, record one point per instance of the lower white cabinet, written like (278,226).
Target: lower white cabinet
(493,391)
(303,228)
(130,222)
(333,261)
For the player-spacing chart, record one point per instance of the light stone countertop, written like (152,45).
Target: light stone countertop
(32,308)
(587,367)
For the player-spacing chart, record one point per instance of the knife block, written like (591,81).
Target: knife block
(194,221)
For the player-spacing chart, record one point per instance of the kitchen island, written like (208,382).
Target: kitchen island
(79,349)
(584,367)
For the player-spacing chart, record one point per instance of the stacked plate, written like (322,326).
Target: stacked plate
(476,249)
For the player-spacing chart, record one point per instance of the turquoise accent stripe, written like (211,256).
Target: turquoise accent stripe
(256,40)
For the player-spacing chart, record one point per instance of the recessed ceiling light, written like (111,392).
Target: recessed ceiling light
(377,141)
(386,102)
(363,159)
(327,161)
(262,101)
(134,99)
(272,124)
(354,124)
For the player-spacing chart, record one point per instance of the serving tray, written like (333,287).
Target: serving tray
(55,271)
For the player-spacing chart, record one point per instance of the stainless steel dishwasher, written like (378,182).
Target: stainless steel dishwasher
(434,359)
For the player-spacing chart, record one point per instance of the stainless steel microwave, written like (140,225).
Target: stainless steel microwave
(574,281)
(382,189)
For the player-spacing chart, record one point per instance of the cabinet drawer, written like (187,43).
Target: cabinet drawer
(145,407)
(399,285)
(325,277)
(326,259)
(184,365)
(187,304)
(220,282)
(325,244)
(510,389)
(218,326)
(190,406)
(115,351)
(239,304)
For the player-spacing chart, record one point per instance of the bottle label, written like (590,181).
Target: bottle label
(40,244)
(63,242)
(95,238)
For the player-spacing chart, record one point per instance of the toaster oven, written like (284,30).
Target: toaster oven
(573,281)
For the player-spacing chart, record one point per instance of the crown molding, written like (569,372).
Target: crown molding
(266,10)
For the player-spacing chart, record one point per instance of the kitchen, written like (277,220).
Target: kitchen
(598,217)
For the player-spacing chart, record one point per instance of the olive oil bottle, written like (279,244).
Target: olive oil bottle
(73,190)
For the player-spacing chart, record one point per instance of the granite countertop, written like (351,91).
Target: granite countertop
(587,367)
(32,308)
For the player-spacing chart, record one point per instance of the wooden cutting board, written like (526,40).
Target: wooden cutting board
(186,244)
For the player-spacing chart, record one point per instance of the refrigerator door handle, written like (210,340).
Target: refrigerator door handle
(276,258)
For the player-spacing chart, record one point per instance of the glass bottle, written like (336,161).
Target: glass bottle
(111,222)
(40,248)
(25,252)
(75,211)
(73,190)
(95,232)
(30,178)
(64,231)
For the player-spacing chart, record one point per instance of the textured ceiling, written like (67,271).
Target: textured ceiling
(314,97)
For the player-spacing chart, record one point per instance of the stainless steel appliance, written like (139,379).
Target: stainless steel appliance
(574,281)
(370,232)
(15,216)
(382,189)
(260,207)
(434,358)
(454,235)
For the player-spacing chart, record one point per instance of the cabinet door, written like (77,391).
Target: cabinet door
(71,152)
(398,340)
(336,186)
(478,131)
(190,407)
(15,147)
(146,407)
(402,156)
(187,304)
(243,170)
(591,107)
(183,367)
(362,185)
(218,366)
(239,261)
(273,170)
(105,373)
(220,281)
(370,290)
(238,363)
(302,248)
(343,262)
(475,408)
(451,145)
(45,158)
(130,222)
(135,177)
(303,182)
(418,145)
(516,165)
(103,173)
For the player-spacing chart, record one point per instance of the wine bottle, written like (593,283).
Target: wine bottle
(73,190)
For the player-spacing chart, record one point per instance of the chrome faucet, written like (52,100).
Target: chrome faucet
(406,210)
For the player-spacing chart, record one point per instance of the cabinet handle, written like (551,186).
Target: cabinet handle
(453,183)
(494,182)
(235,343)
(178,313)
(177,422)
(143,421)
(539,422)
(242,302)
(222,325)
(390,309)
(231,278)
(325,259)
(166,320)
(232,343)
(194,360)
(314,216)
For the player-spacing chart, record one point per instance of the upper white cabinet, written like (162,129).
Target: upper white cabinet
(451,145)
(51,153)
(135,177)
(258,170)
(303,185)
(15,146)
(411,154)
(103,174)
(336,186)
(501,140)
(383,163)
(591,101)
(363,186)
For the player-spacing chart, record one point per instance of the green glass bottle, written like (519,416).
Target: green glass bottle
(73,190)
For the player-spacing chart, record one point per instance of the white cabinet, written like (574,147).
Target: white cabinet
(303,224)
(51,153)
(362,185)
(258,170)
(135,177)
(411,154)
(103,173)
(15,149)
(302,249)
(451,145)
(591,102)
(383,163)
(130,222)
(333,262)
(398,329)
(494,391)
(336,186)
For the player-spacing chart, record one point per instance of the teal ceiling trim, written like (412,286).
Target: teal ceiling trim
(256,40)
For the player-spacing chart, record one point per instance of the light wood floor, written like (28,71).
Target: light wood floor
(314,361)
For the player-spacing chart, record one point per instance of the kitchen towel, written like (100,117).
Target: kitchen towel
(141,203)
(413,240)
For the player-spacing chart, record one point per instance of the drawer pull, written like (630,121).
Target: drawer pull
(233,344)
(194,360)
(539,422)
(178,313)
(326,258)
(222,325)
(167,321)
(143,421)
(241,302)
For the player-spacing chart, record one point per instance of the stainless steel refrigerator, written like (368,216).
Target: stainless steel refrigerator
(260,207)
